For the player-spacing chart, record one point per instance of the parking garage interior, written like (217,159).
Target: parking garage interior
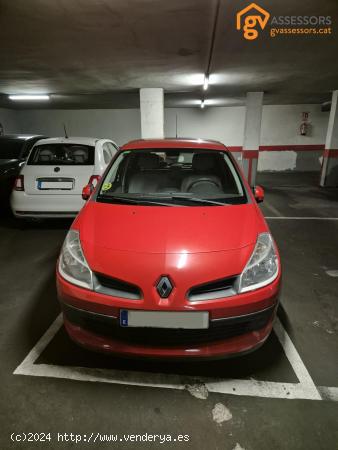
(143,69)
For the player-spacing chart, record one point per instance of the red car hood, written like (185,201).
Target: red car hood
(151,229)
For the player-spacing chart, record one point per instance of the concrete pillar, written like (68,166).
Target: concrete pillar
(152,113)
(329,173)
(252,135)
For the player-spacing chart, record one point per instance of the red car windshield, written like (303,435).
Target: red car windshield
(173,176)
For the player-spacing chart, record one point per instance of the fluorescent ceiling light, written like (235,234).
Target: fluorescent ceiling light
(202,104)
(29,97)
(206,83)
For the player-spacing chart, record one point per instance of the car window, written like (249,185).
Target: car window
(62,155)
(10,148)
(174,174)
(113,149)
(107,155)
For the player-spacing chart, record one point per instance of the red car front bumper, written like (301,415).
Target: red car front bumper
(238,324)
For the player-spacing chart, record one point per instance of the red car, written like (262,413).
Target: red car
(170,257)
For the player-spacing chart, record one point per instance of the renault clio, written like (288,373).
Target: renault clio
(170,257)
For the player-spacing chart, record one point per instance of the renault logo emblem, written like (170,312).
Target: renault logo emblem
(164,287)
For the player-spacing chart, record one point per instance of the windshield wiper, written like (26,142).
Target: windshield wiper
(133,201)
(198,200)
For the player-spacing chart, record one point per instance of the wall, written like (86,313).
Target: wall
(9,121)
(222,124)
(282,147)
(288,149)
(121,125)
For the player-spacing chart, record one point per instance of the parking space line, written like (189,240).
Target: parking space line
(329,393)
(295,360)
(305,389)
(273,209)
(267,389)
(39,347)
(250,388)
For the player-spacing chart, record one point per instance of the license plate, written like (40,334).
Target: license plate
(165,319)
(58,185)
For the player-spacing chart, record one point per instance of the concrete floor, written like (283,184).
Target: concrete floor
(309,313)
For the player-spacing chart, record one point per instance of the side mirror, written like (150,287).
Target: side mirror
(87,191)
(258,192)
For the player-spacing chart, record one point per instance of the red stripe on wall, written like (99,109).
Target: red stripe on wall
(280,148)
(330,153)
(234,149)
(296,148)
(250,154)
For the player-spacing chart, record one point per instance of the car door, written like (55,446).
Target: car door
(58,169)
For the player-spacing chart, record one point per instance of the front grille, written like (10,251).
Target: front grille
(117,288)
(214,289)
(218,330)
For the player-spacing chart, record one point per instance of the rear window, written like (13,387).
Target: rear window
(11,148)
(62,155)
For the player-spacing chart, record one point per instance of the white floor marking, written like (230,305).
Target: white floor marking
(273,209)
(40,345)
(198,390)
(300,218)
(329,393)
(305,389)
(295,360)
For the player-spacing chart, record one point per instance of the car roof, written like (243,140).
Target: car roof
(174,143)
(70,140)
(24,137)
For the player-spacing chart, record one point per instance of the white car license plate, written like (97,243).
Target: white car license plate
(164,319)
(65,185)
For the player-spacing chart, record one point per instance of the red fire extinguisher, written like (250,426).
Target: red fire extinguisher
(304,126)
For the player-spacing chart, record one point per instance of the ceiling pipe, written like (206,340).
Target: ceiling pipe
(213,38)
(211,51)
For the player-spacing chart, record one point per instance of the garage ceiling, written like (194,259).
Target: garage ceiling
(99,53)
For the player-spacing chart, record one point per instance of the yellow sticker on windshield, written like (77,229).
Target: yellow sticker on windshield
(106,186)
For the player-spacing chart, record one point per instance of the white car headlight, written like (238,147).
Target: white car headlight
(72,263)
(262,267)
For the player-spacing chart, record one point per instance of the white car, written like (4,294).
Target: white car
(51,181)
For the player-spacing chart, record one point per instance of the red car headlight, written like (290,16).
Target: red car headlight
(262,267)
(72,263)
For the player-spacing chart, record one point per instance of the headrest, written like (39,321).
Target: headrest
(46,152)
(203,161)
(148,162)
(80,154)
(45,155)
(80,151)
